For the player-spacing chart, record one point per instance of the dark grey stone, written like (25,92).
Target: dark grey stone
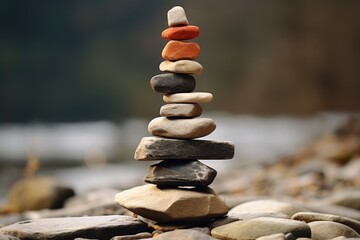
(173,83)
(96,227)
(156,148)
(180,173)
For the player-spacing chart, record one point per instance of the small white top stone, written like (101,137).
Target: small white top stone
(176,16)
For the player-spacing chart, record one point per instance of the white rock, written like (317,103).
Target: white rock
(176,17)
(181,66)
(193,97)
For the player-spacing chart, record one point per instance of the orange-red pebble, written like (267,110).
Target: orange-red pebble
(181,32)
(178,50)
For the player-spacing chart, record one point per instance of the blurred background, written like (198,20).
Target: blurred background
(75,98)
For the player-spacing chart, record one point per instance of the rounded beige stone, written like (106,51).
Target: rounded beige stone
(181,66)
(193,97)
(172,204)
(181,110)
(181,128)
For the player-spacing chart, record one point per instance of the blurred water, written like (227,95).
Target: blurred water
(257,139)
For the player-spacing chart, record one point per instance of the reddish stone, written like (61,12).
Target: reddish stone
(178,50)
(181,32)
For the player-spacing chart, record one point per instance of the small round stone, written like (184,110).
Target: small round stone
(181,128)
(327,230)
(173,83)
(181,66)
(189,110)
(176,17)
(193,97)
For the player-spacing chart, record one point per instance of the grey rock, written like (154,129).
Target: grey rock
(221,221)
(133,237)
(349,199)
(180,173)
(258,227)
(8,237)
(155,148)
(327,230)
(311,217)
(99,227)
(193,97)
(189,110)
(250,215)
(173,83)
(176,16)
(181,234)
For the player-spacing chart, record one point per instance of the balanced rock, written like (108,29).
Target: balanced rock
(321,230)
(179,50)
(181,128)
(173,173)
(262,226)
(155,148)
(181,66)
(181,33)
(99,227)
(193,97)
(172,83)
(169,205)
(190,110)
(176,16)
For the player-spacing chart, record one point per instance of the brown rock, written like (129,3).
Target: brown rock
(321,230)
(189,110)
(169,205)
(181,32)
(181,128)
(181,66)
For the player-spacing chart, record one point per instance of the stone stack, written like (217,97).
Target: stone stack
(178,189)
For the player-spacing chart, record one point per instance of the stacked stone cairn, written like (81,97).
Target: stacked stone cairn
(178,189)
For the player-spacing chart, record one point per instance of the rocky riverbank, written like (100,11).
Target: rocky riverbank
(314,193)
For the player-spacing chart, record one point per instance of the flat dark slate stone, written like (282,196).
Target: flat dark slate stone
(180,173)
(157,148)
(98,227)
(173,83)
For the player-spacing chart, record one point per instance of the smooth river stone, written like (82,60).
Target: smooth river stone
(173,173)
(190,110)
(181,33)
(181,128)
(181,66)
(98,227)
(178,50)
(173,83)
(321,230)
(193,97)
(176,17)
(172,204)
(155,148)
(262,226)
(312,217)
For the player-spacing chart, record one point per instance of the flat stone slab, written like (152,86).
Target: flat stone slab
(173,83)
(99,227)
(182,128)
(156,148)
(172,204)
(180,173)
(189,110)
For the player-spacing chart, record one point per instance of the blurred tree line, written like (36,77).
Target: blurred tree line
(92,60)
